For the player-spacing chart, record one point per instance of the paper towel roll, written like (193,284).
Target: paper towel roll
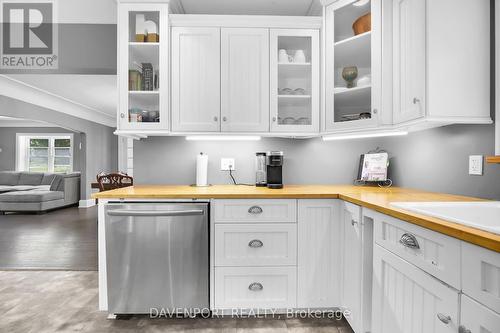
(202,170)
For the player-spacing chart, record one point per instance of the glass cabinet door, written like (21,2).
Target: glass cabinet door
(348,65)
(143,69)
(294,80)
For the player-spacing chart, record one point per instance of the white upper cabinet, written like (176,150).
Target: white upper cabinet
(294,58)
(352,65)
(245,80)
(143,63)
(408,57)
(436,68)
(195,79)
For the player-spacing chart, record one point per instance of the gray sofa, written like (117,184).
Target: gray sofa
(37,192)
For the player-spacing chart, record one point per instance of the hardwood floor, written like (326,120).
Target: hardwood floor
(58,301)
(63,239)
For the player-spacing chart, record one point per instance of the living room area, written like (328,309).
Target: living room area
(47,219)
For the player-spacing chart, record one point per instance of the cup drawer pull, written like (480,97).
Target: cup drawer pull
(256,286)
(255,210)
(255,243)
(410,241)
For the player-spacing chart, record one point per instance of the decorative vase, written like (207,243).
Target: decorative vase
(362,24)
(349,74)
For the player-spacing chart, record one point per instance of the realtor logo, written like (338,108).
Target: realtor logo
(29,35)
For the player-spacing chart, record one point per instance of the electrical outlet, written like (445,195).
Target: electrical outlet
(476,165)
(227,164)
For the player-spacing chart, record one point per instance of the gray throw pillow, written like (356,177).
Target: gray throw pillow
(56,183)
(9,178)
(30,178)
(47,179)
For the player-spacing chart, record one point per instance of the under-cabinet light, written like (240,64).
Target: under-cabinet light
(222,138)
(363,135)
(360,3)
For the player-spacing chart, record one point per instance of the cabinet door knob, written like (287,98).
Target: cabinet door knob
(274,119)
(444,318)
(463,329)
(224,119)
(255,210)
(416,100)
(122,115)
(410,241)
(256,286)
(353,222)
(375,111)
(216,119)
(255,243)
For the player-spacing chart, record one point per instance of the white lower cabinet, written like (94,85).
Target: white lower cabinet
(477,318)
(356,266)
(275,254)
(406,299)
(318,248)
(255,287)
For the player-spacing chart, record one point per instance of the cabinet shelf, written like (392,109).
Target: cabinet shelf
(361,38)
(143,44)
(338,91)
(294,64)
(143,92)
(353,51)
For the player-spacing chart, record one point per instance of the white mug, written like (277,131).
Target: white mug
(283,57)
(300,56)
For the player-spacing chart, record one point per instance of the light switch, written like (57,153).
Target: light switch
(227,164)
(476,165)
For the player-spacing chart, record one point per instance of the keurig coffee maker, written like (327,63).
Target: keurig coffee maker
(275,169)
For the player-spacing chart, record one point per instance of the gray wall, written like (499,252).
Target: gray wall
(99,144)
(432,160)
(8,145)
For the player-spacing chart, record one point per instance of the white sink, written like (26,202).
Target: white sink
(484,215)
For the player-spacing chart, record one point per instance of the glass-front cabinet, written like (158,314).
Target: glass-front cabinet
(352,65)
(294,80)
(143,66)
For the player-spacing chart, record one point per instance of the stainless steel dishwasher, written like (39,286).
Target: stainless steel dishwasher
(157,256)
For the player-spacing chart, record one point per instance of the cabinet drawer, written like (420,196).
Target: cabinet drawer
(481,275)
(255,244)
(255,287)
(437,254)
(254,210)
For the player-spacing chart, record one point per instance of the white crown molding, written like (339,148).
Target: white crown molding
(27,93)
(23,123)
(250,21)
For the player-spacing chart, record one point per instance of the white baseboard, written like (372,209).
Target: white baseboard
(86,203)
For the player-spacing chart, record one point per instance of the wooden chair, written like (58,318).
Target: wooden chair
(112,181)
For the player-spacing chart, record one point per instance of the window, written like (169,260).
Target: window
(44,153)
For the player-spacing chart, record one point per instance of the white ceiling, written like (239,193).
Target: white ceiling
(252,7)
(97,92)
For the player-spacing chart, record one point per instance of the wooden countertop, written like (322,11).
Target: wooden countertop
(375,198)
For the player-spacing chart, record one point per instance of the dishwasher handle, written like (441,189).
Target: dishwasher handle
(127,212)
